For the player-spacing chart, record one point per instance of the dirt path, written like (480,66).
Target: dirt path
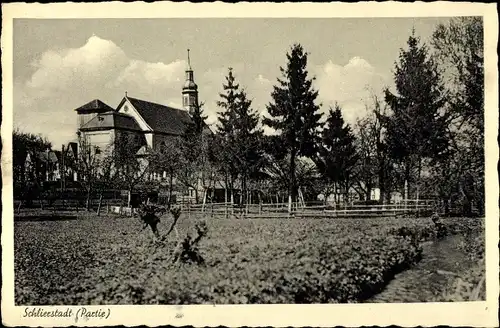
(440,262)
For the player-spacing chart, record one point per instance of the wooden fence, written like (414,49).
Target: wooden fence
(66,204)
(300,210)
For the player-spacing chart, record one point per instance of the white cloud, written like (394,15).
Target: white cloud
(88,65)
(142,75)
(350,85)
(262,80)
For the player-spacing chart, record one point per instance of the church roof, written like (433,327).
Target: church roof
(111,120)
(160,118)
(94,106)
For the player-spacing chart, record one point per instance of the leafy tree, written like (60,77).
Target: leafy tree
(22,145)
(293,113)
(87,165)
(167,160)
(194,148)
(374,167)
(459,49)
(240,134)
(278,170)
(365,171)
(131,165)
(416,127)
(337,155)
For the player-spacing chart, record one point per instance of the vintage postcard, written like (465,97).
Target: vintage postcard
(250,164)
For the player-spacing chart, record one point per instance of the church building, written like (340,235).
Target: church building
(150,123)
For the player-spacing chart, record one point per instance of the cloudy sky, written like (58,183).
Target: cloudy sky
(62,64)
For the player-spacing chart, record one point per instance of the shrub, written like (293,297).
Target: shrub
(187,251)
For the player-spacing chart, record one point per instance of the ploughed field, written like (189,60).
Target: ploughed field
(110,260)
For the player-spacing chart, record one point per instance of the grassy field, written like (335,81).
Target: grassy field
(110,260)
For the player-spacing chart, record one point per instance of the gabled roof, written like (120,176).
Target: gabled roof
(111,120)
(94,106)
(160,118)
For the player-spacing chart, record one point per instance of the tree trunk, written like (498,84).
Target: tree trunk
(381,184)
(232,194)
(446,207)
(205,192)
(346,190)
(406,193)
(335,194)
(129,197)
(419,169)
(170,188)
(292,191)
(368,192)
(99,206)
(406,181)
(87,204)
(196,196)
(225,197)
(327,194)
(244,189)
(241,194)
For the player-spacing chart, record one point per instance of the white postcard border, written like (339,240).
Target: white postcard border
(477,314)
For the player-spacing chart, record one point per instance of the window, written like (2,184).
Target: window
(97,150)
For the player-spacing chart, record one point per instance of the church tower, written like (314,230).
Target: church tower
(190,90)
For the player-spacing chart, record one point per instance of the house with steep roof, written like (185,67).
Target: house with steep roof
(42,166)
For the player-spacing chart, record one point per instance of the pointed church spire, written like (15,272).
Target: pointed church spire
(190,89)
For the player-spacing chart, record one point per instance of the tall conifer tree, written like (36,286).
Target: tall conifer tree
(416,127)
(240,134)
(336,152)
(293,112)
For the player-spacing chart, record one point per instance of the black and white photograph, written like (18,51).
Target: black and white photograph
(248,161)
